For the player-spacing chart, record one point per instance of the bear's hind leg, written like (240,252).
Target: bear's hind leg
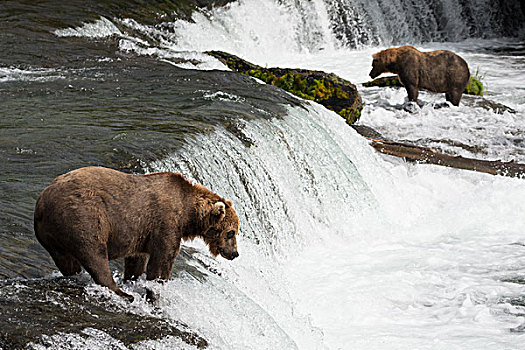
(97,265)
(134,266)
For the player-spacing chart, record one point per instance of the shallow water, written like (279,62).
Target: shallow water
(340,247)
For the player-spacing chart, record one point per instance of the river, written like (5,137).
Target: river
(340,247)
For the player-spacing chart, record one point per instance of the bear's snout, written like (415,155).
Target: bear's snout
(227,254)
(374,73)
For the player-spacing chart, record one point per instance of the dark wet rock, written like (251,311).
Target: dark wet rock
(368,132)
(426,155)
(155,11)
(327,89)
(236,128)
(496,107)
(33,309)
(515,279)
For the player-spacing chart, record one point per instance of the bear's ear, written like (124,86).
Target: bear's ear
(219,209)
(229,204)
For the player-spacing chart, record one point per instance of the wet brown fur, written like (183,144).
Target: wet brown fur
(92,215)
(436,71)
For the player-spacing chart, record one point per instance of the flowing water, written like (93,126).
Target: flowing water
(340,248)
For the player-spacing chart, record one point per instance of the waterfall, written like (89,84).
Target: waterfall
(329,231)
(294,183)
(261,28)
(295,177)
(363,22)
(258,29)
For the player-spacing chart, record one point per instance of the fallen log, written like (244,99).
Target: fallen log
(427,155)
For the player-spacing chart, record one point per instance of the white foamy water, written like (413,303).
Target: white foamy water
(9,74)
(354,251)
(372,252)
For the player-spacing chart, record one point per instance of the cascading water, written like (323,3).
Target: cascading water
(281,193)
(342,246)
(309,26)
(357,22)
(342,250)
(295,186)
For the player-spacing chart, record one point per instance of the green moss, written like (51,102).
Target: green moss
(318,90)
(291,82)
(341,94)
(285,82)
(300,83)
(353,113)
(254,73)
(474,86)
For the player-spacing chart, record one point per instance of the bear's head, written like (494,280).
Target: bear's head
(383,62)
(221,229)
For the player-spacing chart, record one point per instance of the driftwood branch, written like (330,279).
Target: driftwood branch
(430,156)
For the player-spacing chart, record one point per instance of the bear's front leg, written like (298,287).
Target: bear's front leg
(161,258)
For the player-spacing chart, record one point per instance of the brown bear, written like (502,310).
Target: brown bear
(436,71)
(92,215)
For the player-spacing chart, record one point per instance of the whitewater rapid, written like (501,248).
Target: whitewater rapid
(369,253)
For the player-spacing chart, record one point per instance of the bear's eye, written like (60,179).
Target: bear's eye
(230,234)
(212,232)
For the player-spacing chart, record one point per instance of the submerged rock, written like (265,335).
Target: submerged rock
(327,89)
(474,86)
(496,107)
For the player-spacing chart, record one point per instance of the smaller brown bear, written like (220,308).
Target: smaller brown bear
(92,215)
(436,71)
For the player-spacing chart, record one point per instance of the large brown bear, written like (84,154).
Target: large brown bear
(436,71)
(92,215)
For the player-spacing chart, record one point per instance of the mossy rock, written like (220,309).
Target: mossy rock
(474,86)
(327,89)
